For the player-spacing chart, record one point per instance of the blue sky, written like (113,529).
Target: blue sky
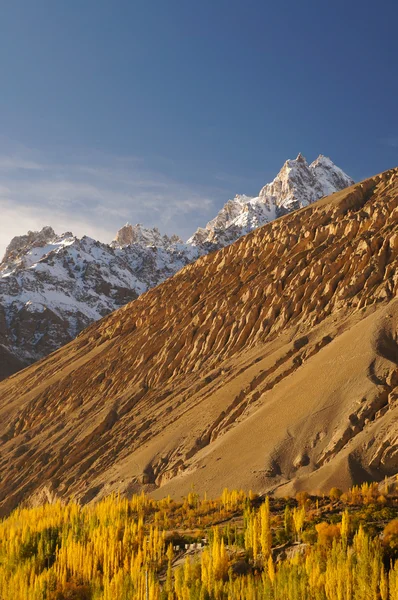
(159,111)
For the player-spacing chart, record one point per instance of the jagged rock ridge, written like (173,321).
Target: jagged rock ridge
(137,234)
(53,286)
(271,364)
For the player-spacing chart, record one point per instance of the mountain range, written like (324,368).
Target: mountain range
(53,286)
(270,364)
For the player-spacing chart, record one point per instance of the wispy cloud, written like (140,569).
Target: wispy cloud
(15,163)
(95,196)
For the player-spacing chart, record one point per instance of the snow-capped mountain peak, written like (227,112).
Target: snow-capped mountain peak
(297,184)
(329,177)
(303,183)
(26,250)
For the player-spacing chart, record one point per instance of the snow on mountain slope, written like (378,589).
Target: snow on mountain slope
(296,185)
(53,286)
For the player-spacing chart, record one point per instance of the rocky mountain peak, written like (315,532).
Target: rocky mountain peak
(27,250)
(297,184)
(20,244)
(301,159)
(328,177)
(138,234)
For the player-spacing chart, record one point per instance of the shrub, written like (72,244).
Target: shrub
(327,533)
(335,493)
(390,534)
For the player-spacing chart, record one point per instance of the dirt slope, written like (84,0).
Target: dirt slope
(271,364)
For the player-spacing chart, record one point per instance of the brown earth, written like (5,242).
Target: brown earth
(271,364)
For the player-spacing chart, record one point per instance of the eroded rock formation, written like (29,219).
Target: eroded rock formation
(271,364)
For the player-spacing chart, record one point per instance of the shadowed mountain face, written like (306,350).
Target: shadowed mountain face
(271,365)
(9,363)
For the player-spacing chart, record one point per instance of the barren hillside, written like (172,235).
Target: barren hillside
(271,364)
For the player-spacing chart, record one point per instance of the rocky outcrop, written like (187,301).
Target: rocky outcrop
(21,245)
(137,234)
(270,364)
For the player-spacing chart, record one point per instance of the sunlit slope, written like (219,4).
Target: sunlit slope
(271,363)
